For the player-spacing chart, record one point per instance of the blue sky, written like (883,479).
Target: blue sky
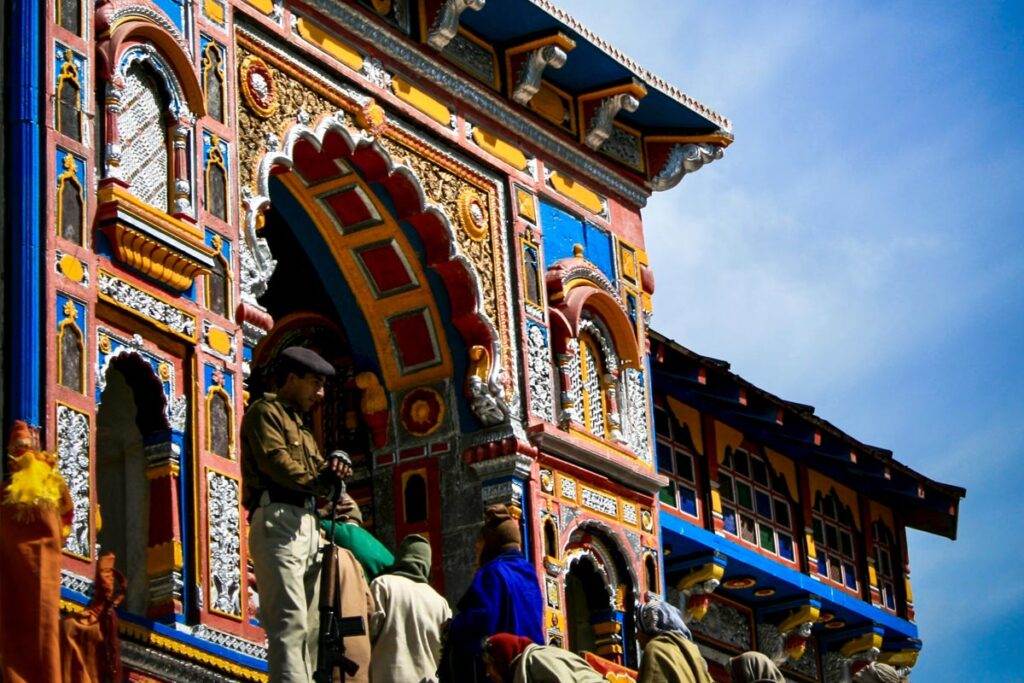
(859,248)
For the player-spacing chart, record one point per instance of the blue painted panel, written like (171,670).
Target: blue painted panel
(694,538)
(562,231)
(227,380)
(175,11)
(225,245)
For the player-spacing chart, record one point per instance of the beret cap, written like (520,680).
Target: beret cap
(307,360)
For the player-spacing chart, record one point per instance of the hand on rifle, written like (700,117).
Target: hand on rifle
(340,465)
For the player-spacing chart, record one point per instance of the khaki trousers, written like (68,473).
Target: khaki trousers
(284,544)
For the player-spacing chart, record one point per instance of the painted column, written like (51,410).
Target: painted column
(164,552)
(24,298)
(809,564)
(713,522)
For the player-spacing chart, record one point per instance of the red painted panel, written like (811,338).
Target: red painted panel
(412,335)
(386,268)
(352,208)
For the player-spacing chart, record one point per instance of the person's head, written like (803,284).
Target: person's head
(500,533)
(876,672)
(413,559)
(657,617)
(500,651)
(300,375)
(754,667)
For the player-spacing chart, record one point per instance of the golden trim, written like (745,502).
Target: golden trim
(720,138)
(216,389)
(207,64)
(262,110)
(152,321)
(705,572)
(146,637)
(216,157)
(68,72)
(164,557)
(70,175)
(467,199)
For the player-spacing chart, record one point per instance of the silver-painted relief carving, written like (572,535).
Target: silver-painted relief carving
(539,367)
(683,159)
(624,147)
(231,642)
(601,122)
(725,624)
(223,524)
(73,462)
(533,69)
(637,426)
(146,304)
(446,24)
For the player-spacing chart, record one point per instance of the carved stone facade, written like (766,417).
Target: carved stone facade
(73,462)
(224,527)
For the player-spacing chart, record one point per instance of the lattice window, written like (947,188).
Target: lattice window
(142,127)
(70,204)
(756,505)
(216,182)
(218,288)
(69,99)
(834,541)
(69,15)
(213,81)
(70,359)
(592,388)
(675,460)
(220,424)
(885,564)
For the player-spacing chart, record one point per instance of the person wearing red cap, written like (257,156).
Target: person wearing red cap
(504,597)
(283,473)
(510,658)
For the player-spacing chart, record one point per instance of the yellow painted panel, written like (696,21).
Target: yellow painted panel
(819,483)
(492,144)
(691,418)
(726,437)
(333,46)
(549,104)
(880,512)
(214,10)
(409,93)
(716,501)
(787,469)
(72,268)
(265,6)
(527,205)
(219,341)
(569,188)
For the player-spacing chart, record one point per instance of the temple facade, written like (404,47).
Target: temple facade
(443,198)
(781,532)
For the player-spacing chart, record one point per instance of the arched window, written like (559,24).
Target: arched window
(834,541)
(69,98)
(550,538)
(415,499)
(143,130)
(70,356)
(651,574)
(70,203)
(531,274)
(675,460)
(756,504)
(216,181)
(213,81)
(218,284)
(219,428)
(885,564)
(592,393)
(69,15)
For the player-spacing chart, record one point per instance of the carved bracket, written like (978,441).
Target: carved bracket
(683,159)
(529,78)
(446,25)
(601,123)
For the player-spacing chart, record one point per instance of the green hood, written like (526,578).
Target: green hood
(412,559)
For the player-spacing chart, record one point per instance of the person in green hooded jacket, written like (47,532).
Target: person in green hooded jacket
(405,628)
(350,535)
(669,655)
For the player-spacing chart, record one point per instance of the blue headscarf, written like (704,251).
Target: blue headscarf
(658,616)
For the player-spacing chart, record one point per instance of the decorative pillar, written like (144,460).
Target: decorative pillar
(796,628)
(180,191)
(872,591)
(112,133)
(611,380)
(714,522)
(164,551)
(608,628)
(569,380)
(810,559)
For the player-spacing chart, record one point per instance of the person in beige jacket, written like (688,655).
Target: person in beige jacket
(405,627)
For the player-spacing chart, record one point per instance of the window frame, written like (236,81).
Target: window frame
(885,541)
(825,552)
(761,521)
(678,448)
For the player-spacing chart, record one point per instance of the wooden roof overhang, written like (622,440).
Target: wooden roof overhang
(793,430)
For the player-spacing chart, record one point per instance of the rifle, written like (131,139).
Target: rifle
(334,628)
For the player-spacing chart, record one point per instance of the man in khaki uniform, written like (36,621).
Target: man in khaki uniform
(283,474)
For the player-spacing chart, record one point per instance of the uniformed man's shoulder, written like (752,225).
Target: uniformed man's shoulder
(266,404)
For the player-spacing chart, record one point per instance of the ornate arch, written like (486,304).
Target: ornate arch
(332,141)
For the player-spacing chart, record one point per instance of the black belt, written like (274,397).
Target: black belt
(296,498)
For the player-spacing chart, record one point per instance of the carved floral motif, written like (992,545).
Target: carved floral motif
(539,369)
(73,462)
(223,526)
